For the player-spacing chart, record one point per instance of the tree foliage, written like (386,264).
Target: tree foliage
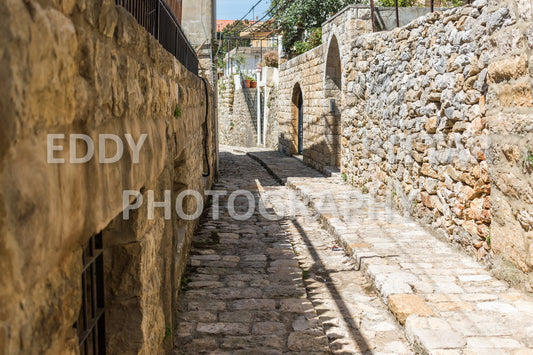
(297,18)
(228,40)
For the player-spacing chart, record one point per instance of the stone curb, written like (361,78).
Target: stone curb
(422,339)
(267,168)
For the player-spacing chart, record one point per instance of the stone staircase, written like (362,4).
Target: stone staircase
(446,301)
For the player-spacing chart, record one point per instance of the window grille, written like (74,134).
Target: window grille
(91,322)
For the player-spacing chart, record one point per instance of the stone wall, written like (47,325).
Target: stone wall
(321,122)
(86,67)
(271,116)
(435,116)
(235,123)
(347,25)
(510,125)
(303,74)
(198,21)
(413,124)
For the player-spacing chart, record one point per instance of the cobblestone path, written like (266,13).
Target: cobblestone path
(263,286)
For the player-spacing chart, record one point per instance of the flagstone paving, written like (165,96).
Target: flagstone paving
(448,303)
(262,286)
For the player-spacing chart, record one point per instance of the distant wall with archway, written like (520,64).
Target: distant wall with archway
(304,73)
(333,85)
(319,74)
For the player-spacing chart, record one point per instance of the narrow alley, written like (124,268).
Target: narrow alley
(269,287)
(266,177)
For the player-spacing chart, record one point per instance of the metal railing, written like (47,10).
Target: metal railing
(91,320)
(373,12)
(159,20)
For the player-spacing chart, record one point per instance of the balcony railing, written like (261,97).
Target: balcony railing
(159,20)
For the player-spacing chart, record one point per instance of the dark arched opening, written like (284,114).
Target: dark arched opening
(333,94)
(297,123)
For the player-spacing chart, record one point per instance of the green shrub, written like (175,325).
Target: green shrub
(177,111)
(301,47)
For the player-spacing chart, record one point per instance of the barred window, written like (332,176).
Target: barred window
(91,322)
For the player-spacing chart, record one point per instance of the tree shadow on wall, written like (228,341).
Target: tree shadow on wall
(321,155)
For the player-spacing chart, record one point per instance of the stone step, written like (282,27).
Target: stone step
(332,171)
(447,302)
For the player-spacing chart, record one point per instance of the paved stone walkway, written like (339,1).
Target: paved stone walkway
(245,291)
(448,303)
(355,319)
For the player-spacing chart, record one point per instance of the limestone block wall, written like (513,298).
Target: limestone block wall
(86,67)
(304,74)
(510,125)
(435,117)
(271,116)
(347,25)
(414,121)
(234,120)
(318,74)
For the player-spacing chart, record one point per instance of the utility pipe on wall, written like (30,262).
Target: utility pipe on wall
(258,100)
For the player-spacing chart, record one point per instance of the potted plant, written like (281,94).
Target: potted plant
(249,81)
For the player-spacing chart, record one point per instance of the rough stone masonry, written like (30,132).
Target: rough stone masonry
(434,116)
(87,67)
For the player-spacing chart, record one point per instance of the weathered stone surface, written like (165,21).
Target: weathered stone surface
(403,305)
(199,316)
(276,328)
(223,328)
(506,69)
(437,339)
(252,342)
(296,305)
(455,99)
(249,304)
(255,304)
(307,341)
(286,324)
(88,68)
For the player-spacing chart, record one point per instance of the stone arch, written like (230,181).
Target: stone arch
(297,119)
(333,96)
(333,72)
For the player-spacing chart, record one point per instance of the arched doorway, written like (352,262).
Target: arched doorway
(333,94)
(297,123)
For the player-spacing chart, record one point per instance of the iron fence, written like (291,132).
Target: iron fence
(157,17)
(250,101)
(373,12)
(91,323)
